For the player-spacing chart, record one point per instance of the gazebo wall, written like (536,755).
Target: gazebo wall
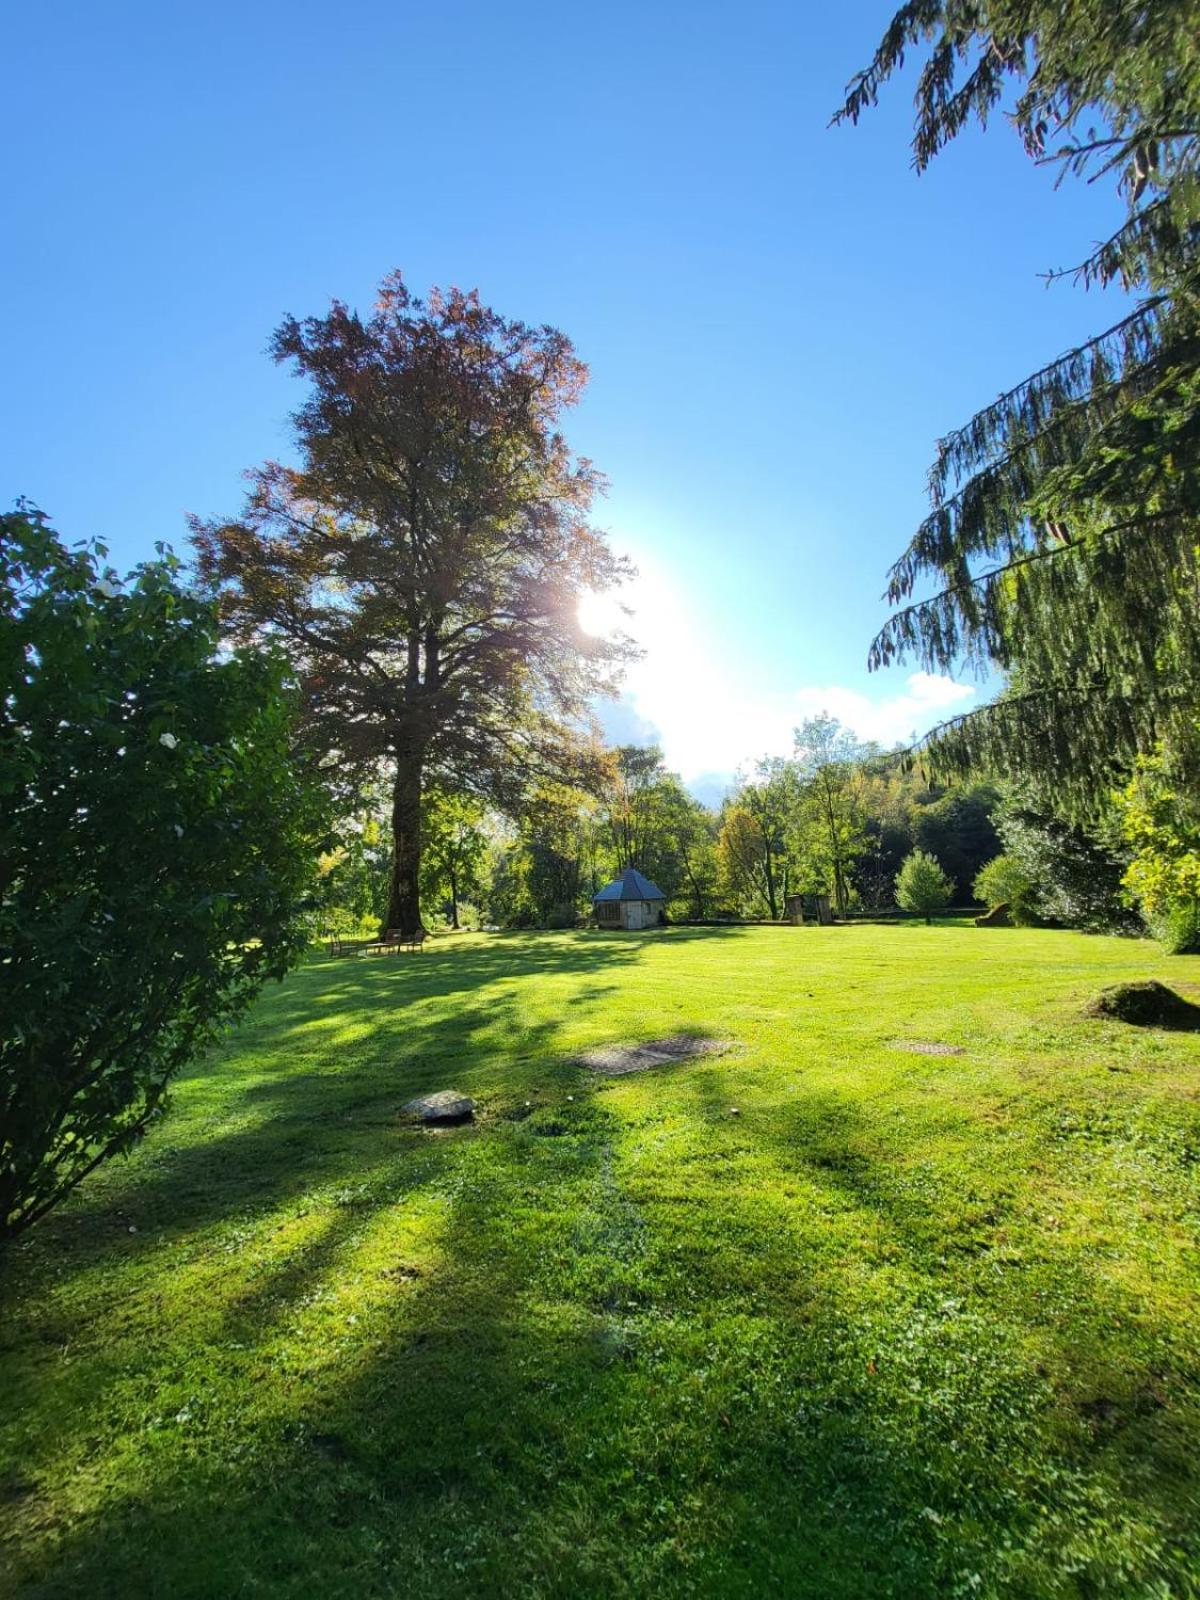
(637,914)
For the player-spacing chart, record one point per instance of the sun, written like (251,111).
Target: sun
(603,613)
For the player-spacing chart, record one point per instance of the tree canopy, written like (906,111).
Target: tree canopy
(424,563)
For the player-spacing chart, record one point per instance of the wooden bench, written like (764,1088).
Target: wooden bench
(393,939)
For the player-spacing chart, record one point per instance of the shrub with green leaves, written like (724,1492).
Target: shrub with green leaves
(921,885)
(1160,820)
(1176,929)
(1004,882)
(157,845)
(1076,871)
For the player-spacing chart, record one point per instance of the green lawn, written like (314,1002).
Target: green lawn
(906,1325)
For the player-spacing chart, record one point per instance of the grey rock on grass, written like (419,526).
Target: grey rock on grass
(447,1105)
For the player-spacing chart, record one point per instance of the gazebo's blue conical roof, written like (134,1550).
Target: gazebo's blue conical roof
(631,885)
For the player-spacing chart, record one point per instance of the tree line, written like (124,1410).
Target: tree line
(837,818)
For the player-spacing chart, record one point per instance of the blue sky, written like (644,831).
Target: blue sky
(780,318)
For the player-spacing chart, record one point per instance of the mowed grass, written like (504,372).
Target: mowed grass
(904,1325)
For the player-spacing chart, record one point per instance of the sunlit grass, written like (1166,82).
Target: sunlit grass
(897,1325)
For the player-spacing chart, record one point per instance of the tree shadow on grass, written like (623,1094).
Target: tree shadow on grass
(586,1380)
(536,1408)
(324,986)
(539,1411)
(299,1130)
(291,1137)
(407,1463)
(1031,1393)
(293,1127)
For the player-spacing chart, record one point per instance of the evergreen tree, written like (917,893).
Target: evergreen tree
(1076,871)
(1062,537)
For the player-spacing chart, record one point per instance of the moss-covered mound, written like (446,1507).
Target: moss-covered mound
(1147,1005)
(998,917)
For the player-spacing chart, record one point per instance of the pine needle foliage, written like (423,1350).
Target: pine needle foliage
(1060,545)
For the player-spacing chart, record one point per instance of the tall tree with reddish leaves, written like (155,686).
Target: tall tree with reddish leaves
(424,562)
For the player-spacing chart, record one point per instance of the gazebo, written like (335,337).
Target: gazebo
(630,901)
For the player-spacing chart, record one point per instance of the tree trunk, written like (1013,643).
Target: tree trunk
(454,899)
(770,866)
(404,894)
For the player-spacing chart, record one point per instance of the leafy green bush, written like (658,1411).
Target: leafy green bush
(1160,821)
(1004,882)
(157,842)
(921,885)
(1177,929)
(1076,875)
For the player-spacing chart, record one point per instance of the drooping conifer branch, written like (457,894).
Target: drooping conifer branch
(974,623)
(990,514)
(1052,731)
(1148,238)
(1079,488)
(1090,370)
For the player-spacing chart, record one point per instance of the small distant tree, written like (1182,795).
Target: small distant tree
(158,848)
(829,811)
(921,886)
(455,845)
(757,830)
(694,837)
(755,842)
(744,860)
(558,846)
(632,814)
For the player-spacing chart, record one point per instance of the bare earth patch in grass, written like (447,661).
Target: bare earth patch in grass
(926,1047)
(614,1060)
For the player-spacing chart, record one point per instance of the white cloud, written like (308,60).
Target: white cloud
(927,698)
(690,693)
